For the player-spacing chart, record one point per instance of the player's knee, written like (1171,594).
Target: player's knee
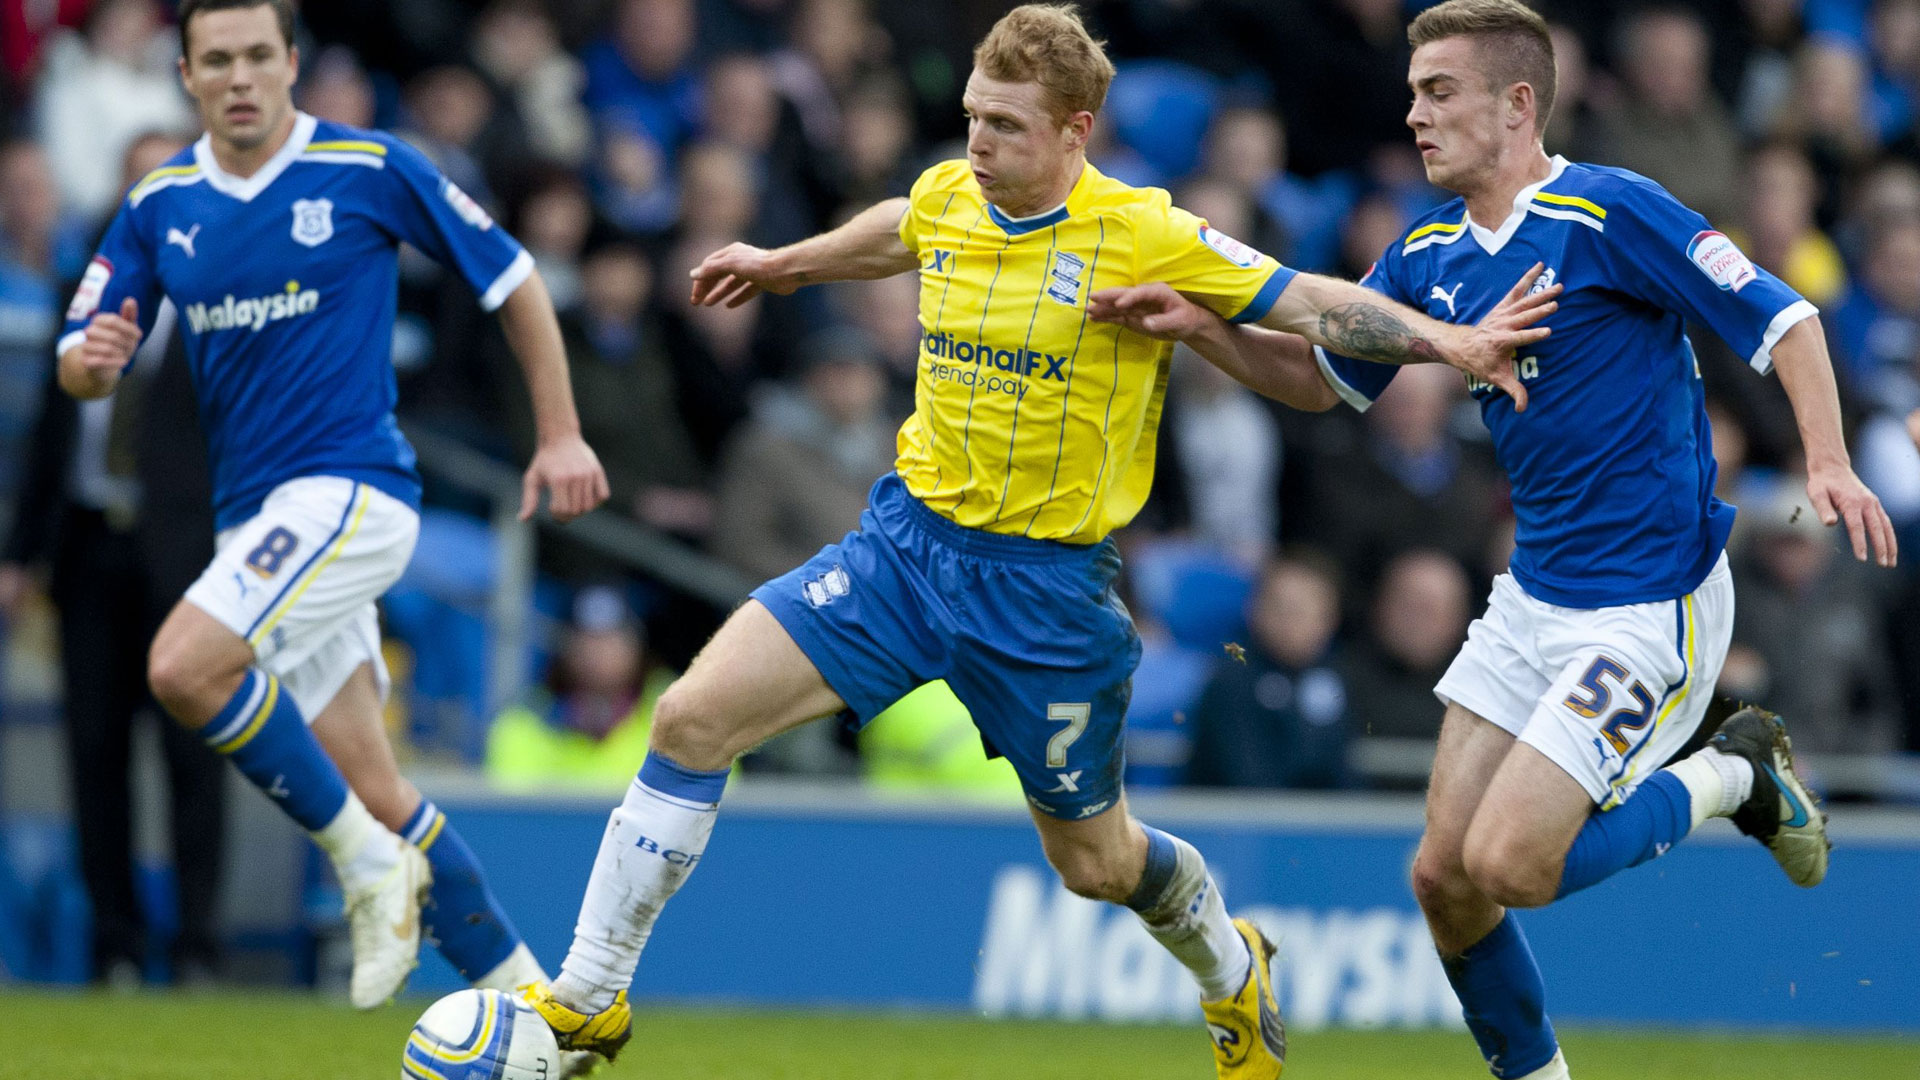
(181,685)
(1088,872)
(1441,884)
(1510,875)
(690,734)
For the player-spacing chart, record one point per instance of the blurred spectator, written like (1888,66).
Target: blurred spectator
(715,356)
(1413,483)
(335,87)
(876,138)
(623,386)
(1781,195)
(590,726)
(1570,130)
(834,44)
(99,90)
(720,179)
(1276,715)
(796,479)
(633,186)
(1894,37)
(554,220)
(24,30)
(1299,219)
(888,311)
(1888,196)
(117,508)
(1669,126)
(1876,328)
(40,251)
(447,108)
(1218,472)
(640,77)
(1827,114)
(1770,35)
(1375,225)
(1419,620)
(1825,667)
(1341,80)
(536,83)
(743,113)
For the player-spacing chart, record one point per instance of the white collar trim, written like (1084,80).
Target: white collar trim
(247,188)
(1492,240)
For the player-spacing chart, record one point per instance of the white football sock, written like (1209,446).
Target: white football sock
(362,849)
(1191,920)
(651,844)
(517,970)
(1716,783)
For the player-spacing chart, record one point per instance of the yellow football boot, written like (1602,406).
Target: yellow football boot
(603,1033)
(1249,1041)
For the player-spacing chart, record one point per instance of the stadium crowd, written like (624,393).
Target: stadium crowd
(1302,580)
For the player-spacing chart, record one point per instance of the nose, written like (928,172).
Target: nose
(1417,114)
(976,139)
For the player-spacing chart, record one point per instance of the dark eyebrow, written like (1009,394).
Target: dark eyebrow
(1430,81)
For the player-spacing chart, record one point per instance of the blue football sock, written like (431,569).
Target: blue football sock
(1657,816)
(1163,859)
(462,917)
(261,730)
(1505,1001)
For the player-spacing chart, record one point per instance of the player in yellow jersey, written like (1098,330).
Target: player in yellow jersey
(984,559)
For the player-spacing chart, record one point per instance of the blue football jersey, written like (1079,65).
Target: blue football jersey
(1612,463)
(286,283)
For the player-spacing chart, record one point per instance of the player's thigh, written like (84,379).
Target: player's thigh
(1469,755)
(750,683)
(319,550)
(352,730)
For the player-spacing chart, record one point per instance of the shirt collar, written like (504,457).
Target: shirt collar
(246,188)
(1492,240)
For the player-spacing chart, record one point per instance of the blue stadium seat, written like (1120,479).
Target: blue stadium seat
(1162,109)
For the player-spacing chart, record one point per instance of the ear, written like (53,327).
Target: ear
(1520,105)
(185,83)
(1079,129)
(293,61)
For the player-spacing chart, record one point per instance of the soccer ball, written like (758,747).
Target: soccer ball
(480,1035)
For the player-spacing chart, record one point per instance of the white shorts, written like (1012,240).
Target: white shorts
(298,581)
(1608,694)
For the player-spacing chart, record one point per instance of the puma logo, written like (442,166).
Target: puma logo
(184,239)
(1442,294)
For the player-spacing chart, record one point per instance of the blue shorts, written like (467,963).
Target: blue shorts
(1028,633)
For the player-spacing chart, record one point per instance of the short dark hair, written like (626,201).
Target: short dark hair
(282,12)
(1515,45)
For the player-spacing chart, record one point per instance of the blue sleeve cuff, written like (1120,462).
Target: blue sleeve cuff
(1263,300)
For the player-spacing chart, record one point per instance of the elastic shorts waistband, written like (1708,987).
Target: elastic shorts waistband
(891,492)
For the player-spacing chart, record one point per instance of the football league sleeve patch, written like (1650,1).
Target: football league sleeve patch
(121,268)
(1671,257)
(433,214)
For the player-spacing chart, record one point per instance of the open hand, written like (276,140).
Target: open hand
(1154,310)
(570,471)
(736,274)
(1838,495)
(1486,351)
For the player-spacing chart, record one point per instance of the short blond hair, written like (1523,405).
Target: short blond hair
(1514,44)
(1047,44)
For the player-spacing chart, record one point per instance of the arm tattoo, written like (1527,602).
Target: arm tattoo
(1375,333)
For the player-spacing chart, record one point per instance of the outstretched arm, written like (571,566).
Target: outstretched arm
(1271,364)
(868,246)
(562,462)
(1800,358)
(1356,321)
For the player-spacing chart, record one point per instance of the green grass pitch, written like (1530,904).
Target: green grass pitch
(289,1037)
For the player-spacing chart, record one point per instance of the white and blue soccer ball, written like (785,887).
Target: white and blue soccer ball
(480,1035)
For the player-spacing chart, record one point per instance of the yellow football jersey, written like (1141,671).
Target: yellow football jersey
(1029,418)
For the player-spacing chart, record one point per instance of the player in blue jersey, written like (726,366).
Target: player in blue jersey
(1599,650)
(276,237)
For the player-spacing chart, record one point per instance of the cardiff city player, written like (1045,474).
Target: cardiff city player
(984,559)
(1598,654)
(276,237)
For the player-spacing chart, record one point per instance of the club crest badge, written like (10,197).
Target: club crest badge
(312,221)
